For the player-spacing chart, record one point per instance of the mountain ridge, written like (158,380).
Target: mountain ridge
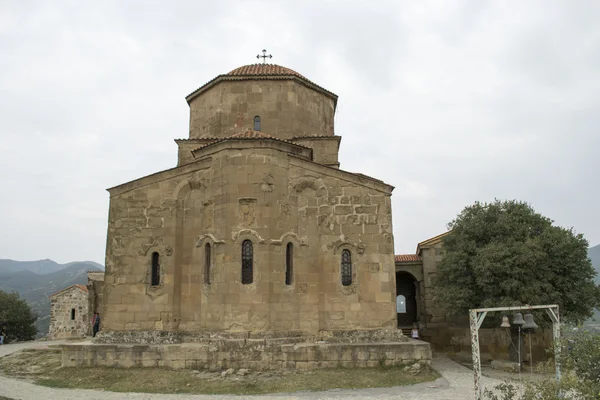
(35,287)
(45,266)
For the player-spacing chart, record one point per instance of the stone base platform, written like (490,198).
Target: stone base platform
(253,356)
(340,349)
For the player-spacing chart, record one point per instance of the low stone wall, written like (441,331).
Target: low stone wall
(255,354)
(494,344)
(171,337)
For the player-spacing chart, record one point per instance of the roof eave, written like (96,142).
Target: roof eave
(224,77)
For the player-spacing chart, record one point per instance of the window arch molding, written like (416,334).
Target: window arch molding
(200,259)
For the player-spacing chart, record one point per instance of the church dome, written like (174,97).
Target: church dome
(263,70)
(260,72)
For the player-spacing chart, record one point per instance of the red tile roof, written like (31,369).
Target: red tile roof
(249,134)
(82,287)
(407,258)
(263,70)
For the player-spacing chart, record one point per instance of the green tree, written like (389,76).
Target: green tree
(17,317)
(505,254)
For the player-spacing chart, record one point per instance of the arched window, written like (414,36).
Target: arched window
(289,263)
(257,123)
(155,281)
(346,268)
(247,261)
(207,259)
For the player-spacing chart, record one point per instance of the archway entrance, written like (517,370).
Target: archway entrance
(406,299)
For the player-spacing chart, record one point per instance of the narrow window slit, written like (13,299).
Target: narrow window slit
(155,279)
(207,258)
(247,262)
(289,263)
(346,268)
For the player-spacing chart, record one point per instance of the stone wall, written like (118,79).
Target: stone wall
(62,325)
(271,198)
(254,354)
(325,148)
(287,108)
(95,288)
(494,344)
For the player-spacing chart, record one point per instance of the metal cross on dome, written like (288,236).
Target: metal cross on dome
(264,56)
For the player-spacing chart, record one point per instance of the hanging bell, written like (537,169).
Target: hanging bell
(505,323)
(518,319)
(529,325)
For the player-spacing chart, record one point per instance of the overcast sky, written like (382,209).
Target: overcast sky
(449,101)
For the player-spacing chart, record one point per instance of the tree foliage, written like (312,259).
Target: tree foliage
(16,317)
(505,254)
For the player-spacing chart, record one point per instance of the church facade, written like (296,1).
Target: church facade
(257,229)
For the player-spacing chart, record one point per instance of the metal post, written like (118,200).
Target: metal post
(555,317)
(474,325)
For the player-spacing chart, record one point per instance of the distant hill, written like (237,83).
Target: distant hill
(40,266)
(36,280)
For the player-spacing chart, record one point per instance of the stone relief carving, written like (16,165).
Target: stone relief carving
(247,211)
(302,184)
(155,242)
(208,215)
(252,232)
(201,238)
(303,241)
(198,183)
(152,242)
(285,215)
(268,183)
(337,246)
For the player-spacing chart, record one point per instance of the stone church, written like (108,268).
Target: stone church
(257,250)
(257,229)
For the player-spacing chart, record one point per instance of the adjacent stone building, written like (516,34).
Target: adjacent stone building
(69,313)
(415,275)
(256,229)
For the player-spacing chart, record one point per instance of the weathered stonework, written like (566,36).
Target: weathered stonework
(95,287)
(451,336)
(257,354)
(234,257)
(275,187)
(69,313)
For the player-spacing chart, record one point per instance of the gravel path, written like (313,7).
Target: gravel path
(456,384)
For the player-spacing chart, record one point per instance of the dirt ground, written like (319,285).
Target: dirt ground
(43,366)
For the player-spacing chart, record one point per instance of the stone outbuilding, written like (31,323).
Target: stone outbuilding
(69,313)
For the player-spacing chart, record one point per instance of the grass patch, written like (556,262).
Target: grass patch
(44,368)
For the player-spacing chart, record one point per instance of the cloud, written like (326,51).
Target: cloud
(450,102)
